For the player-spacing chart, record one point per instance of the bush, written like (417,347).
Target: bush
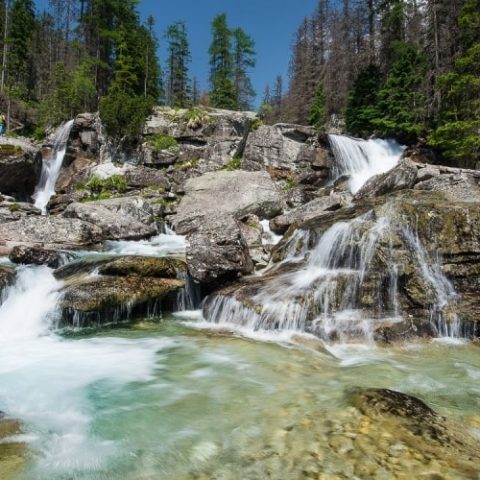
(233,164)
(101,189)
(161,143)
(124,115)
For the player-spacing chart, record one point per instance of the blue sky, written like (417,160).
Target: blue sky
(272,23)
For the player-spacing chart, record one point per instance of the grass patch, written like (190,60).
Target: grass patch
(233,164)
(290,184)
(14,207)
(196,118)
(161,143)
(102,189)
(187,164)
(256,124)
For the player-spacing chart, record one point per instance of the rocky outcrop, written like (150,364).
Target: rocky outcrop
(20,168)
(7,276)
(107,290)
(49,232)
(210,214)
(117,218)
(401,177)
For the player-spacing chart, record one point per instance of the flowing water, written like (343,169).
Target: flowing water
(51,168)
(238,396)
(362,159)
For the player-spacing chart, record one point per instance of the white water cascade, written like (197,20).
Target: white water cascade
(362,159)
(338,291)
(51,168)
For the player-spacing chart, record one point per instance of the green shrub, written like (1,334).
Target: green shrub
(256,124)
(290,184)
(197,117)
(101,189)
(39,134)
(187,164)
(161,143)
(233,164)
(14,207)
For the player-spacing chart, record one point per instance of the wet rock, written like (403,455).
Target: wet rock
(401,177)
(217,250)
(252,232)
(144,267)
(77,172)
(49,232)
(35,255)
(20,168)
(7,278)
(118,218)
(86,139)
(308,211)
(103,300)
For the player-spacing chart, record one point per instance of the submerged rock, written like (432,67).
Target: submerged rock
(35,255)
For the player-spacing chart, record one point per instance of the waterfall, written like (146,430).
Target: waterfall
(51,168)
(362,159)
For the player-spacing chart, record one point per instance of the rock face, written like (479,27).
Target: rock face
(209,214)
(49,232)
(7,276)
(129,218)
(20,168)
(122,289)
(407,258)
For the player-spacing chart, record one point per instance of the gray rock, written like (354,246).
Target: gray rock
(217,251)
(142,177)
(49,232)
(310,210)
(7,277)
(224,193)
(401,177)
(457,186)
(35,255)
(118,218)
(280,146)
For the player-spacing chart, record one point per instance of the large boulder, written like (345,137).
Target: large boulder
(49,232)
(129,218)
(225,193)
(35,255)
(104,300)
(20,168)
(210,214)
(401,177)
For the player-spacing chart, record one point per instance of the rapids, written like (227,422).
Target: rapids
(235,396)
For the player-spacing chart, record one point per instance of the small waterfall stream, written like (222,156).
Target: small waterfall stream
(336,294)
(51,168)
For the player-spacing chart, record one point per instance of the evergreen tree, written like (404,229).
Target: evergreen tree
(361,108)
(401,101)
(458,132)
(223,93)
(178,92)
(318,115)
(21,34)
(244,60)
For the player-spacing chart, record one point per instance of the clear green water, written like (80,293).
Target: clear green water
(207,405)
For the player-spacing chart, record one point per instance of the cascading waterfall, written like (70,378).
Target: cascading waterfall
(51,168)
(362,159)
(336,293)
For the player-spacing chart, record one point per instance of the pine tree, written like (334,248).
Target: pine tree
(222,93)
(22,28)
(178,87)
(401,108)
(361,108)
(318,115)
(458,132)
(244,60)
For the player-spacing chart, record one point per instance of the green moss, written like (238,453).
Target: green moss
(102,189)
(7,150)
(14,207)
(233,164)
(290,183)
(162,143)
(187,164)
(256,124)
